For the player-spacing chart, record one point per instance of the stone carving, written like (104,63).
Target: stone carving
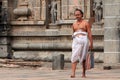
(53,11)
(98,10)
(22,12)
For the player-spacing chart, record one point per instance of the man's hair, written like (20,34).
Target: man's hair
(79,11)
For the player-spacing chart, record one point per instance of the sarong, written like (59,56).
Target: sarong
(80,46)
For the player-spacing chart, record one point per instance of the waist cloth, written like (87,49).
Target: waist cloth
(80,46)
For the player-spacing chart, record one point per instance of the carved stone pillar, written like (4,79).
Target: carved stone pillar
(5,47)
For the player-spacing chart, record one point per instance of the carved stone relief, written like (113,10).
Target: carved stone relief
(53,11)
(98,10)
(30,10)
(68,7)
(22,11)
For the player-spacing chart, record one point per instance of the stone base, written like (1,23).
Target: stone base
(40,55)
(4,51)
(53,26)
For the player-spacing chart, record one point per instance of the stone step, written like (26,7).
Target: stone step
(18,63)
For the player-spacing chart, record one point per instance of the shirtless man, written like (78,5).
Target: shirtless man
(81,37)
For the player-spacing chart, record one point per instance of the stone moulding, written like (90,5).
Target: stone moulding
(62,22)
(48,46)
(22,12)
(45,45)
(27,22)
(41,33)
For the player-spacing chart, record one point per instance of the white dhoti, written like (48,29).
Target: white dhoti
(80,46)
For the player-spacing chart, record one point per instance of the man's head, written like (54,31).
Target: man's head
(78,14)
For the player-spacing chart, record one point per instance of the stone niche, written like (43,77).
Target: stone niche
(68,7)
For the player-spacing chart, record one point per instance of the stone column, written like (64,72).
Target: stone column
(5,48)
(111,33)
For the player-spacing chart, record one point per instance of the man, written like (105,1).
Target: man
(81,38)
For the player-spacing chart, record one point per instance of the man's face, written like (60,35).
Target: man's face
(78,15)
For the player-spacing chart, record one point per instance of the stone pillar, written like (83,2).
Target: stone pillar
(111,33)
(58,62)
(5,48)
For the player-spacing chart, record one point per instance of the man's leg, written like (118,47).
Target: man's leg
(84,69)
(73,69)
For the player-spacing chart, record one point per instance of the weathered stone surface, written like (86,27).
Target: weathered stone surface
(114,7)
(40,33)
(111,46)
(97,25)
(111,1)
(41,55)
(87,8)
(37,13)
(64,9)
(99,57)
(114,20)
(112,39)
(97,32)
(98,43)
(41,39)
(4,51)
(16,63)
(3,40)
(58,62)
(58,9)
(112,33)
(112,58)
(62,22)
(43,11)
(27,23)
(22,11)
(47,55)
(43,46)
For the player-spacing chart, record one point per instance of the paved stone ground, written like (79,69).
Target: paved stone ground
(43,73)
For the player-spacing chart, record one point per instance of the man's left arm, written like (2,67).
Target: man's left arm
(90,35)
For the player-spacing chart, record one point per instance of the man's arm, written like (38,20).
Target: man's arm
(90,35)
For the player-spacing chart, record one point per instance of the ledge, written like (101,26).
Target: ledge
(49,46)
(97,32)
(43,46)
(27,23)
(63,22)
(41,33)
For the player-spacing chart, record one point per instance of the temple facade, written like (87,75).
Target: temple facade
(39,29)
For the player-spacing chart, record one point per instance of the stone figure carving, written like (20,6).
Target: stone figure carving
(53,11)
(98,10)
